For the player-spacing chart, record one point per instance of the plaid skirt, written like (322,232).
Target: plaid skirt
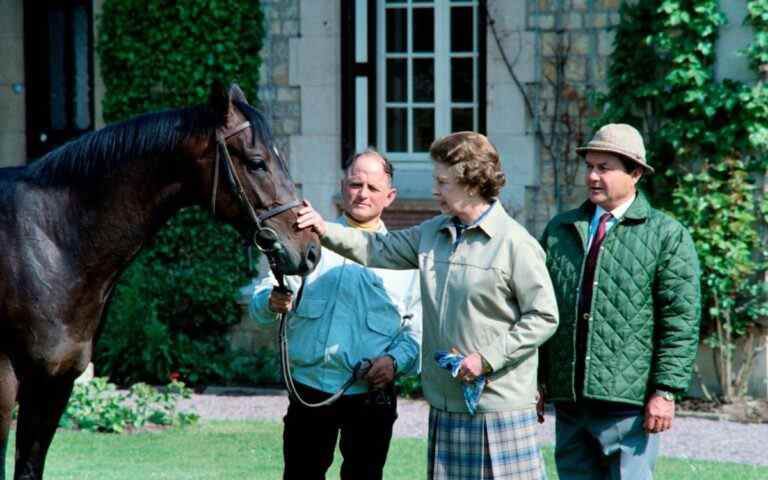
(494,445)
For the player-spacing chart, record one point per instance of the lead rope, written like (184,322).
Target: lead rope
(362,367)
(215,180)
(358,372)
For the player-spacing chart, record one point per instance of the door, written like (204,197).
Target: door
(58,57)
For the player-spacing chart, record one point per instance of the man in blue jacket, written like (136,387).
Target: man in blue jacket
(347,313)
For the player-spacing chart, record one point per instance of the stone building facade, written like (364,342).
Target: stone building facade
(301,78)
(338,75)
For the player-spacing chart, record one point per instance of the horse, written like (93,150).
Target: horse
(73,220)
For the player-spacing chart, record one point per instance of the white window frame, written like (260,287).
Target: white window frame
(442,73)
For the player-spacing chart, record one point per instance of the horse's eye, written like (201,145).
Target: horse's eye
(255,164)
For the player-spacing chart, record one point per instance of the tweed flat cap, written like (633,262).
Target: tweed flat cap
(620,139)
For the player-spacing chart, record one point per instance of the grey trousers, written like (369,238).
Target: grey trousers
(599,440)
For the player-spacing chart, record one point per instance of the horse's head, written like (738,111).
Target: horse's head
(250,187)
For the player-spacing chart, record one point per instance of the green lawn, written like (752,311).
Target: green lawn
(252,450)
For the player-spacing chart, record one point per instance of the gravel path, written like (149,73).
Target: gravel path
(690,437)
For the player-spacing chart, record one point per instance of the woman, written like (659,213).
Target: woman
(486,294)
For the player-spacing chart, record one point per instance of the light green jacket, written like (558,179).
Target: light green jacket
(490,294)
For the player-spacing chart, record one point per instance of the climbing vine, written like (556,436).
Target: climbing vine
(708,139)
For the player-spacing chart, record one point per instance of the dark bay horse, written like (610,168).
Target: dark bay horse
(72,221)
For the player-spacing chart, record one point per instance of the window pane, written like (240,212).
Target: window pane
(396,127)
(58,78)
(397,32)
(423,128)
(82,71)
(396,80)
(423,30)
(462,120)
(423,80)
(461,80)
(462,22)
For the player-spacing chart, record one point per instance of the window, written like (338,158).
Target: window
(428,71)
(411,71)
(58,47)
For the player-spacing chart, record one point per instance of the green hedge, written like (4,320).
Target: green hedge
(173,306)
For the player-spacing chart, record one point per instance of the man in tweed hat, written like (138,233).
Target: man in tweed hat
(626,278)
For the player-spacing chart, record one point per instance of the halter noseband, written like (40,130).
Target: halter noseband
(260,231)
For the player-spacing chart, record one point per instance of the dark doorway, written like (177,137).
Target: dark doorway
(58,57)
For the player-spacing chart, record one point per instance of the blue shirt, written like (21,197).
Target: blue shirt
(348,312)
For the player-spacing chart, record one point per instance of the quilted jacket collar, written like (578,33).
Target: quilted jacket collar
(639,210)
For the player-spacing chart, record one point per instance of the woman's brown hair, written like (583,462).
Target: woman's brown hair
(473,160)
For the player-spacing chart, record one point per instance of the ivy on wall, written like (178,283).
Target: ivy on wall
(708,140)
(173,306)
(158,55)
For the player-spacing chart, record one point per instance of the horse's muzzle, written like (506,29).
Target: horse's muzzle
(282,261)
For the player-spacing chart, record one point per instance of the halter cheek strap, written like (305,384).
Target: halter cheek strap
(223,157)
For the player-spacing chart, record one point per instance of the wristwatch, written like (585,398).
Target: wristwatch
(666,395)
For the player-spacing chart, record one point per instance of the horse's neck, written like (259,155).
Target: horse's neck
(127,210)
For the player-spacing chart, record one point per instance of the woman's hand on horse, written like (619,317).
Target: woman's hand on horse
(280,302)
(381,373)
(309,218)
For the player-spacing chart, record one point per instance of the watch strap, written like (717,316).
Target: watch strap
(665,394)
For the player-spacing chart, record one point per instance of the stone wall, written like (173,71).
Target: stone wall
(574,39)
(13,149)
(280,101)
(300,92)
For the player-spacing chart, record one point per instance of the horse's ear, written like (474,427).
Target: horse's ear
(218,101)
(236,94)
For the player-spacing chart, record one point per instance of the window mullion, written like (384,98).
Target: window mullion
(381,76)
(442,68)
(409,83)
(476,63)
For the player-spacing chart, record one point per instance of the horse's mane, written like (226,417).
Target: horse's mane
(97,154)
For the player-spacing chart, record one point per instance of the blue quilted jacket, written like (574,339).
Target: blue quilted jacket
(644,327)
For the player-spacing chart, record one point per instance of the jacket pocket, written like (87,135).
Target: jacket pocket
(312,308)
(306,341)
(384,321)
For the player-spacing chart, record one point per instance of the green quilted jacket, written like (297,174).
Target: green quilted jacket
(644,328)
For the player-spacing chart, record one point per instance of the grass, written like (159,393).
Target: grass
(252,450)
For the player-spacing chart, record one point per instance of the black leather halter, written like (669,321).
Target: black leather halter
(265,238)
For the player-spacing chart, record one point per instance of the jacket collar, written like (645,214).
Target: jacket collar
(491,223)
(639,210)
(342,220)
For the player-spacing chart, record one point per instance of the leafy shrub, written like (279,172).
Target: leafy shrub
(173,306)
(261,368)
(409,386)
(97,406)
(174,50)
